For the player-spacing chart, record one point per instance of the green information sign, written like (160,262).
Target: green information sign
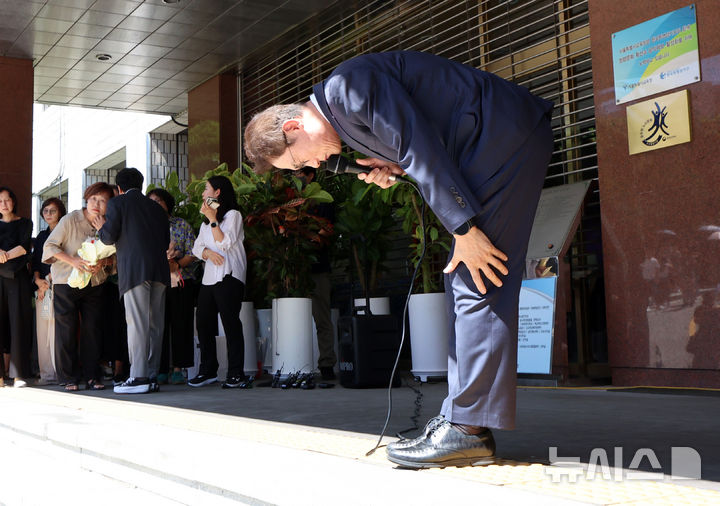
(656,56)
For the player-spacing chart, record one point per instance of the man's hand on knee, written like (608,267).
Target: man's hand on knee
(478,254)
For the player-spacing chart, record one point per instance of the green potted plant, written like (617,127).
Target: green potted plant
(427,309)
(281,240)
(409,208)
(187,203)
(364,221)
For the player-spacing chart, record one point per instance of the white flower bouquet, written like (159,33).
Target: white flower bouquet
(91,251)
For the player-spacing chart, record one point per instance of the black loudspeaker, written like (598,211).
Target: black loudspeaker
(368,345)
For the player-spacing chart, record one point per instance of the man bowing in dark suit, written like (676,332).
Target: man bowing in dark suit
(478,147)
(139,228)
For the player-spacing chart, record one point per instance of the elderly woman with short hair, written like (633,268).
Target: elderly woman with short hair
(60,251)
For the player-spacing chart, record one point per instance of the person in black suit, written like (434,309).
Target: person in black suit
(139,228)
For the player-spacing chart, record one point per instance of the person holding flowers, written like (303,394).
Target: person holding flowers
(61,250)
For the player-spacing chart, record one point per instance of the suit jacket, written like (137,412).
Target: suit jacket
(450,126)
(140,230)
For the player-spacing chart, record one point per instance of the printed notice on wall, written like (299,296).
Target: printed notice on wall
(656,56)
(535,329)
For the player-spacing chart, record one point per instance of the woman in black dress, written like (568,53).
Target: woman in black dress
(15,291)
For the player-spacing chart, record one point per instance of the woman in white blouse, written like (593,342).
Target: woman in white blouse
(220,245)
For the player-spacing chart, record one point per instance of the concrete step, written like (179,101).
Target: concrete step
(44,473)
(74,449)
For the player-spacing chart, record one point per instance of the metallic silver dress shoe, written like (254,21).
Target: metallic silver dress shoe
(446,446)
(406,443)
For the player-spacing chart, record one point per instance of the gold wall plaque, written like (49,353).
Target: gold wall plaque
(658,123)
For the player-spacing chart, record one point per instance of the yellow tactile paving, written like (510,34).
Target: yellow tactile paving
(503,472)
(532,477)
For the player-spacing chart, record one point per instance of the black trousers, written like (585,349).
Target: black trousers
(16,323)
(115,341)
(225,298)
(178,334)
(87,303)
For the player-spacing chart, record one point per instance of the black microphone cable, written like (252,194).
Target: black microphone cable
(404,316)
(415,417)
(340,165)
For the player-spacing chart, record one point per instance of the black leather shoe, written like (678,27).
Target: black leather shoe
(446,446)
(407,443)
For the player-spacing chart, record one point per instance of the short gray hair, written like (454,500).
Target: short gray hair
(264,137)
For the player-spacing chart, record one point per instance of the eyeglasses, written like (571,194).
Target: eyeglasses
(49,211)
(296,165)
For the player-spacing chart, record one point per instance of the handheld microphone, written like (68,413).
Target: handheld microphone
(340,165)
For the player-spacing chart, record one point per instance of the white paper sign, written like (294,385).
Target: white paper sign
(535,325)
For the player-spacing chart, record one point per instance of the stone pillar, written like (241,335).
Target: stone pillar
(16,130)
(213,124)
(661,254)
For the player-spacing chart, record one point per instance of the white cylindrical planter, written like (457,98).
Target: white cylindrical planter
(264,337)
(334,317)
(428,335)
(247,317)
(193,371)
(292,335)
(378,305)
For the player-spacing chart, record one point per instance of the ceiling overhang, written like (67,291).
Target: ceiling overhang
(158,49)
